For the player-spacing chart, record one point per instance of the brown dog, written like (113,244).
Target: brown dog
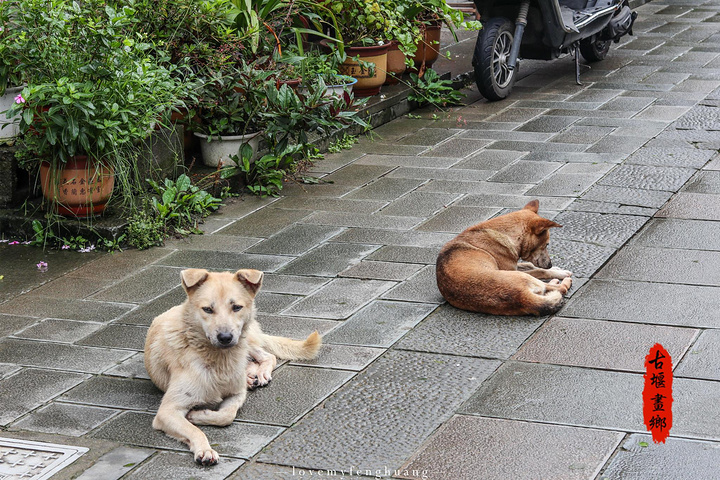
(479,271)
(197,353)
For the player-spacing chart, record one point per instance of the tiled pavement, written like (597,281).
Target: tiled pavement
(406,385)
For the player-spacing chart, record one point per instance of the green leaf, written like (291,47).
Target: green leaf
(643,444)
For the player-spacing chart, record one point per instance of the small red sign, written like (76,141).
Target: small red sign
(657,394)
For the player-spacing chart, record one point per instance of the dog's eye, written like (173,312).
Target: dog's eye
(237,308)
(207,310)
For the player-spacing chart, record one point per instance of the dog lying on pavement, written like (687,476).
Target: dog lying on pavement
(479,271)
(197,353)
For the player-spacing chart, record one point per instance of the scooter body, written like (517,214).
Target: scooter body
(543,30)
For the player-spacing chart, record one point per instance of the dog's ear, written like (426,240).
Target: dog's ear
(533,206)
(251,279)
(193,277)
(543,224)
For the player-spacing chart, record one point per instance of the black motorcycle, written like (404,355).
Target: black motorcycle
(543,30)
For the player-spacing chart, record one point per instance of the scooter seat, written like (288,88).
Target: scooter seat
(575,19)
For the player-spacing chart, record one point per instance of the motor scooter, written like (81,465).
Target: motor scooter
(543,30)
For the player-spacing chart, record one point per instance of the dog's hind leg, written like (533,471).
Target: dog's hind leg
(543,273)
(171,419)
(221,417)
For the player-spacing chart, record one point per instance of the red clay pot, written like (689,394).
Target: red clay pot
(367,85)
(80,188)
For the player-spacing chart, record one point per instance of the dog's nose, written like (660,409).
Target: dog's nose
(225,338)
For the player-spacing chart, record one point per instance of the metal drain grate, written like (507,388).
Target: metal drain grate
(25,460)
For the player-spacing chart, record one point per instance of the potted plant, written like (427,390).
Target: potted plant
(93,93)
(228,111)
(316,67)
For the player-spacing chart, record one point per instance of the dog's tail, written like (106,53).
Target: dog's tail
(289,349)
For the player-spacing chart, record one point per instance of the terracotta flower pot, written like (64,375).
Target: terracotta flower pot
(428,49)
(367,85)
(395,64)
(80,188)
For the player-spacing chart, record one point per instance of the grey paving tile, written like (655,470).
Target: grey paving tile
(405,254)
(215,242)
(37,387)
(676,459)
(386,188)
(632,104)
(333,161)
(538,146)
(65,419)
(363,220)
(295,239)
(495,449)
(116,267)
(10,324)
(144,314)
(618,144)
(672,157)
(142,286)
(344,357)
(328,260)
(410,238)
(699,361)
(71,286)
(46,307)
(380,324)
(597,228)
(559,394)
(419,204)
(696,267)
(456,219)
(267,471)
(450,174)
(704,182)
(393,271)
(264,222)
(293,391)
(700,117)
(627,196)
(294,327)
(428,136)
(291,284)
(514,135)
(171,466)
(402,161)
(56,355)
(575,157)
(514,201)
(456,148)
(357,175)
(116,463)
(457,332)
(681,305)
(698,206)
(548,124)
(421,287)
(565,184)
(133,367)
(330,204)
(583,259)
(67,331)
(339,299)
(648,177)
(134,394)
(224,260)
(514,114)
(489,160)
(525,172)
(494,188)
(574,342)
(583,134)
(6,369)
(659,112)
(274,302)
(117,336)
(398,382)
(677,233)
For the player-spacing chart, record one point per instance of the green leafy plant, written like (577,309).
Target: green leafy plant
(433,90)
(180,204)
(145,229)
(344,143)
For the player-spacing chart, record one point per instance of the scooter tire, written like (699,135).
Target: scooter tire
(493,78)
(594,50)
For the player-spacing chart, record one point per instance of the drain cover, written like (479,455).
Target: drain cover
(25,460)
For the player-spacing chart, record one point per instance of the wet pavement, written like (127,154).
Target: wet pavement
(407,386)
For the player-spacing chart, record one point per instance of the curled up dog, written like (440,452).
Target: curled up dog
(479,271)
(206,352)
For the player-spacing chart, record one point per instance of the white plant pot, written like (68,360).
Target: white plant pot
(9,127)
(334,90)
(217,150)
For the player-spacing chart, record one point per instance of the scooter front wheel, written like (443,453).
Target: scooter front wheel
(492,50)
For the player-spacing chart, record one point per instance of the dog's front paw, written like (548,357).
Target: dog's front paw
(207,457)
(560,273)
